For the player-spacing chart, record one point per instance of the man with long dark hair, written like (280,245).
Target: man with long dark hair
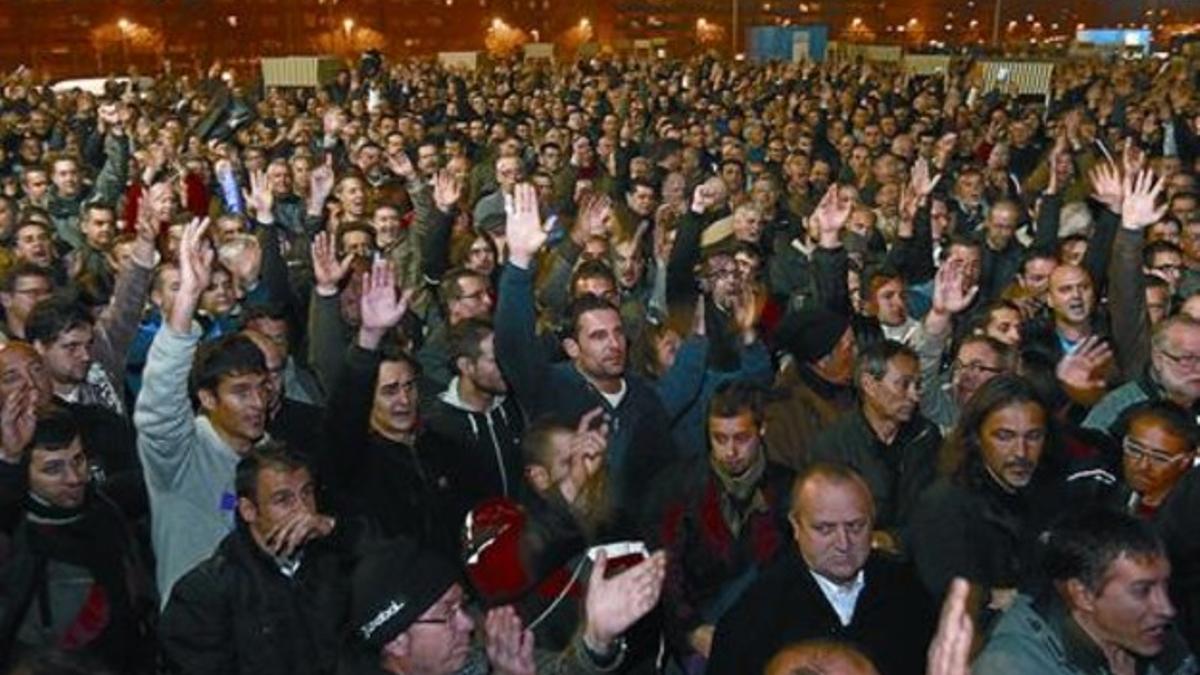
(999,487)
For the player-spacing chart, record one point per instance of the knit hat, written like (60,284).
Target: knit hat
(810,334)
(392,587)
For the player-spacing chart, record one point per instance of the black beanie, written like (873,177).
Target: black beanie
(392,587)
(810,334)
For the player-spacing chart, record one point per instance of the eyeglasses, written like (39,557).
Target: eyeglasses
(1136,451)
(976,368)
(1189,361)
(455,610)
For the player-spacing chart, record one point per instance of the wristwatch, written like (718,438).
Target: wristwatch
(611,656)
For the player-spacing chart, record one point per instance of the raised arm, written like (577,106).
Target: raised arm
(685,254)
(349,407)
(328,335)
(830,263)
(110,183)
(436,227)
(524,363)
(1127,288)
(118,323)
(163,415)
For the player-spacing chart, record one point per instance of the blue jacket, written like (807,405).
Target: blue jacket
(639,426)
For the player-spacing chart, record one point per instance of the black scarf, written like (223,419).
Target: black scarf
(92,536)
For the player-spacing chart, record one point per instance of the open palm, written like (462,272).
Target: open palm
(382,305)
(1140,207)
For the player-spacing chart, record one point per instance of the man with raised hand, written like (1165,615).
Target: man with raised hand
(189,456)
(594,375)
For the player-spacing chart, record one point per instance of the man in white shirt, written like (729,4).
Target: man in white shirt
(834,587)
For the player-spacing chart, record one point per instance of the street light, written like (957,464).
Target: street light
(733,34)
(996,24)
(125,26)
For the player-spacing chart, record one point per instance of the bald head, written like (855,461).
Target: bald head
(820,658)
(820,477)
(833,515)
(1071,296)
(21,368)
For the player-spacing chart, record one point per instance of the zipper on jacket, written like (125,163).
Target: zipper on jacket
(499,455)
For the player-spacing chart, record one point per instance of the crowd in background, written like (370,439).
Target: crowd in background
(610,366)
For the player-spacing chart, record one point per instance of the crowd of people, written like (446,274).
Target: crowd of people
(675,366)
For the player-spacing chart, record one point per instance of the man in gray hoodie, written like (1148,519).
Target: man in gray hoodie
(189,457)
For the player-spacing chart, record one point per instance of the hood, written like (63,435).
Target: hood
(451,398)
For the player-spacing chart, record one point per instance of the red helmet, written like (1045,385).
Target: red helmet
(492,538)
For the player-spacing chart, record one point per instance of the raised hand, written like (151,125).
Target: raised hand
(1106,186)
(523,229)
(260,198)
(382,305)
(950,651)
(195,258)
(614,604)
(320,182)
(832,213)
(914,194)
(944,148)
(327,269)
(1141,196)
(922,183)
(950,294)
(1085,368)
(747,308)
(18,419)
(146,225)
(593,219)
(702,198)
(1133,158)
(401,165)
(446,191)
(508,644)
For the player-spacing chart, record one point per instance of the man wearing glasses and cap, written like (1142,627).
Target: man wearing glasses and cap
(409,615)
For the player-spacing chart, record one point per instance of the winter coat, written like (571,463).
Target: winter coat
(897,473)
(807,405)
(237,613)
(973,528)
(708,565)
(75,581)
(1040,637)
(639,443)
(402,489)
(892,623)
(486,457)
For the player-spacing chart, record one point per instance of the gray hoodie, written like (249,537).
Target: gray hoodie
(189,469)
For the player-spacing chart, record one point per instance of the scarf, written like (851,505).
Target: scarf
(741,495)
